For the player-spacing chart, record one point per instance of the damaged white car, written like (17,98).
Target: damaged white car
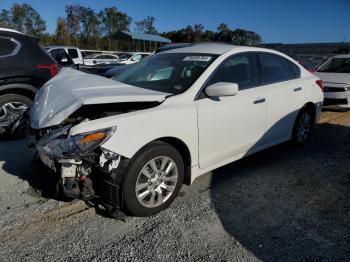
(134,140)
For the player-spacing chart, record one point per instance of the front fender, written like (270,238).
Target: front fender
(137,129)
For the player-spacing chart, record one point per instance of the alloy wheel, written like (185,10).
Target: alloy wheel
(304,127)
(156,182)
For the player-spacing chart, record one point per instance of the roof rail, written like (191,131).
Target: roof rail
(10,30)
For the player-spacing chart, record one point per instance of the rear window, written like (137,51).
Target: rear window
(7,46)
(336,65)
(277,69)
(73,53)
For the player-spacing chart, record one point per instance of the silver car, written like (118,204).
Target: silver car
(335,74)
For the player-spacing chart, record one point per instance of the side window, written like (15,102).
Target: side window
(239,69)
(294,70)
(7,47)
(275,68)
(56,52)
(73,53)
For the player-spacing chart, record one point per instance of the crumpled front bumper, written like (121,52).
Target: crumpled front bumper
(101,179)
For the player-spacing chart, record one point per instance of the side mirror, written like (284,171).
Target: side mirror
(222,89)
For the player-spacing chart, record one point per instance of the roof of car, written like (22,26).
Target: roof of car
(210,48)
(10,30)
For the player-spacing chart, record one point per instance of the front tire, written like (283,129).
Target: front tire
(303,126)
(153,179)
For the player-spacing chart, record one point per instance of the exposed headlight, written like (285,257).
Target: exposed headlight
(77,145)
(86,142)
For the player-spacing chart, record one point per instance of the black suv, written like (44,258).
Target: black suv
(24,68)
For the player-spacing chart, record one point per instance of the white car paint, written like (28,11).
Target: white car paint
(216,132)
(337,85)
(134,58)
(73,52)
(71,89)
(100,59)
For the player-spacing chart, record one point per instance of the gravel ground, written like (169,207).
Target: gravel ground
(282,204)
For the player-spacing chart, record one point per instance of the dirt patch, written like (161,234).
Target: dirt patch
(43,223)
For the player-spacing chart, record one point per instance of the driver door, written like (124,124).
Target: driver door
(232,126)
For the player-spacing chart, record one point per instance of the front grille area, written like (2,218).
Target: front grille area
(334,89)
(333,101)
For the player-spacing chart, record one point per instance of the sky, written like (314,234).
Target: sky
(277,21)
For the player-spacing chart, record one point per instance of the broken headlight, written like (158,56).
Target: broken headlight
(83,143)
(77,145)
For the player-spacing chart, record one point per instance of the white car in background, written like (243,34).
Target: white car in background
(100,59)
(128,59)
(73,52)
(335,74)
(133,141)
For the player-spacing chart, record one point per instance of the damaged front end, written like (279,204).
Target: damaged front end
(86,171)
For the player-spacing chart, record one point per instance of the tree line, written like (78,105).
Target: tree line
(84,27)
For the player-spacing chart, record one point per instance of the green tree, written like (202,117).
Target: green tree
(73,22)
(223,34)
(5,18)
(208,36)
(89,21)
(243,37)
(90,27)
(197,32)
(61,36)
(112,20)
(146,25)
(24,18)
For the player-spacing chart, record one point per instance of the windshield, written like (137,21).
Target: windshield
(170,73)
(90,56)
(336,65)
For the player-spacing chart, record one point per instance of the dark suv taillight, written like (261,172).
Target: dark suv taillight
(52,67)
(320,84)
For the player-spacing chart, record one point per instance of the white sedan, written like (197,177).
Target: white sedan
(336,76)
(133,141)
(100,59)
(128,59)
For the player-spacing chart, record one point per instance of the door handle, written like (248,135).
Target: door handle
(259,100)
(297,89)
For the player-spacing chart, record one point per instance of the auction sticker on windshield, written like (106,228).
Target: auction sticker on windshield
(197,58)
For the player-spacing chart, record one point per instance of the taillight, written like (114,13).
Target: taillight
(52,67)
(320,84)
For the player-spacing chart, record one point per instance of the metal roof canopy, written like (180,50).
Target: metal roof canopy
(140,36)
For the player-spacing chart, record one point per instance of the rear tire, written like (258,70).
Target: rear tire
(303,126)
(153,179)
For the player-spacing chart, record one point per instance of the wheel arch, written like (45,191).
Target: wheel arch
(312,107)
(19,89)
(183,150)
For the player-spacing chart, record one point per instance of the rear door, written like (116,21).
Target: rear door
(233,125)
(284,95)
(10,59)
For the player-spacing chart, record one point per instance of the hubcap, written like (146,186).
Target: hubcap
(304,127)
(10,112)
(156,182)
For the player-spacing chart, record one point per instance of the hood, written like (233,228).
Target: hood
(336,78)
(71,89)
